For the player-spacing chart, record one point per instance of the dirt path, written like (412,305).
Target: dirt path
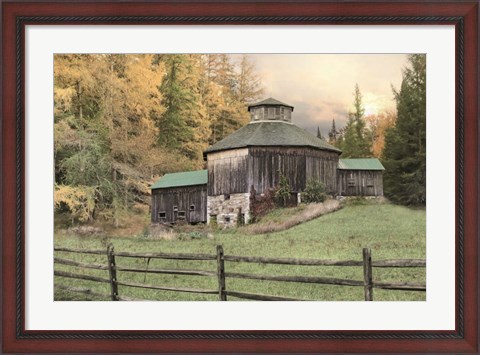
(310,212)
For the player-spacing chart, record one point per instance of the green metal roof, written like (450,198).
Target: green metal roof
(275,133)
(360,164)
(269,102)
(187,178)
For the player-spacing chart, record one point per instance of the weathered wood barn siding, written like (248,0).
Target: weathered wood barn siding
(360,182)
(192,200)
(322,165)
(227,172)
(297,164)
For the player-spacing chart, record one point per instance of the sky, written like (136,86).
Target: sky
(321,86)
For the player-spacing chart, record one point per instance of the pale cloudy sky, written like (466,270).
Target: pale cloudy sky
(321,86)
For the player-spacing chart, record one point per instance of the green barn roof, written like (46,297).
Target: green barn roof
(187,178)
(360,164)
(264,133)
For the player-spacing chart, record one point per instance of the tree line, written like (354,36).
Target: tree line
(121,120)
(397,138)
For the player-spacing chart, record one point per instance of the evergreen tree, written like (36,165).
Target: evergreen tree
(333,134)
(355,142)
(404,154)
(319,134)
(178,100)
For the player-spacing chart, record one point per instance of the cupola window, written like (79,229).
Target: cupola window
(270,109)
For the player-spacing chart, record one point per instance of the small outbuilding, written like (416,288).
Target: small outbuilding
(180,197)
(360,177)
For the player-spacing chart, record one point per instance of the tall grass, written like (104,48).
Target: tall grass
(390,231)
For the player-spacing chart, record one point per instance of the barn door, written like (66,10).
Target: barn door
(351,184)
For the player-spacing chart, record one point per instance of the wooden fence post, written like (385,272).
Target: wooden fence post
(112,272)
(221,274)
(367,274)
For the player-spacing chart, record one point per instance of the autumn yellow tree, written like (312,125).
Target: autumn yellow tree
(378,125)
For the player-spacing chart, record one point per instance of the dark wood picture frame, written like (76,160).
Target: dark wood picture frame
(17,14)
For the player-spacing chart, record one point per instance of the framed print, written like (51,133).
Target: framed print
(142,133)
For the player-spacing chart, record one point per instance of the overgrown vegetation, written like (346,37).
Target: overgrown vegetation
(283,191)
(315,191)
(261,205)
(390,231)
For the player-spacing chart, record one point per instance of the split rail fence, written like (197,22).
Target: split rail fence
(367,283)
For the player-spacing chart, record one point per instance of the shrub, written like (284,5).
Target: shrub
(284,192)
(314,192)
(261,205)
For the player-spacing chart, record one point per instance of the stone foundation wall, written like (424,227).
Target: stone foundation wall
(227,207)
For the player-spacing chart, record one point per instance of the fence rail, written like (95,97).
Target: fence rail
(367,283)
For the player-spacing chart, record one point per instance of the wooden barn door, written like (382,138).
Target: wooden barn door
(351,184)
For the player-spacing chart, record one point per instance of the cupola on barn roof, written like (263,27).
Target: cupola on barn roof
(269,102)
(270,125)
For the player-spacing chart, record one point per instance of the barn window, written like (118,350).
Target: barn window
(227,219)
(175,208)
(162,215)
(181,214)
(351,182)
(369,182)
(255,114)
(271,112)
(192,207)
(226,197)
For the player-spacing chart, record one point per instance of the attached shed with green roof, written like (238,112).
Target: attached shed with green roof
(180,197)
(360,177)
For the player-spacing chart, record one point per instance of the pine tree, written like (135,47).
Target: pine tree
(178,99)
(355,142)
(404,155)
(319,134)
(333,134)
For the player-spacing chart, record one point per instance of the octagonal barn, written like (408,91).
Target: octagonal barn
(256,155)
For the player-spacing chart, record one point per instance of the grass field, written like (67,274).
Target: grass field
(392,232)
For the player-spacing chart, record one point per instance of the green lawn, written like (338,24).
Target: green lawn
(392,232)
